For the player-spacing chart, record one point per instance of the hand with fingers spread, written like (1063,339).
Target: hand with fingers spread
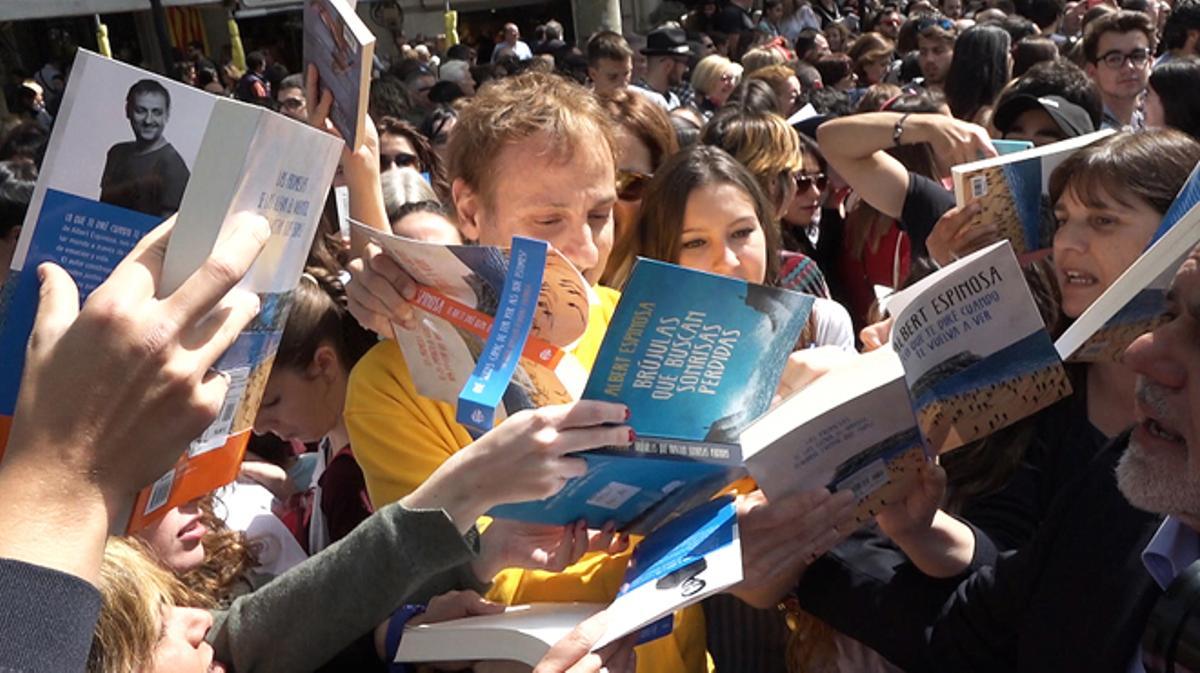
(113,393)
(953,141)
(573,654)
(937,543)
(523,458)
(959,232)
(780,539)
(380,292)
(507,543)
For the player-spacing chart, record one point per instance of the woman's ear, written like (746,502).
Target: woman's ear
(325,363)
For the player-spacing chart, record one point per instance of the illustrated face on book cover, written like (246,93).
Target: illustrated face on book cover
(1097,239)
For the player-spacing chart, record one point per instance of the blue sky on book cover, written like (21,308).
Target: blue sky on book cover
(1024,180)
(967,372)
(695,356)
(85,237)
(1188,197)
(682,542)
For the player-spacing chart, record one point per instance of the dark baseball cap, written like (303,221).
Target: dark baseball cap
(1071,119)
(667,42)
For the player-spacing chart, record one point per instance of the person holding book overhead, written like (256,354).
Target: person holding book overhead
(401,437)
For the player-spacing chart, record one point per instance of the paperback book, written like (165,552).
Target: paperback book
(460,292)
(968,356)
(682,563)
(342,48)
(236,157)
(1013,190)
(1136,302)
(696,357)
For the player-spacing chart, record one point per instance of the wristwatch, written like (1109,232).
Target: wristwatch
(898,130)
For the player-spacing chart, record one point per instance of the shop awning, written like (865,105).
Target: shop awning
(45,9)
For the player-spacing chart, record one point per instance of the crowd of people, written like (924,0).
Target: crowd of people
(804,144)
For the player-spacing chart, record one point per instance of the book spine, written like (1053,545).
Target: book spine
(518,302)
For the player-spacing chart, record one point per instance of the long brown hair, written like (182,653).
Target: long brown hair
(660,227)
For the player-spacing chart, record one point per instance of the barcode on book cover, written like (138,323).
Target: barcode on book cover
(160,492)
(216,434)
(866,481)
(978,186)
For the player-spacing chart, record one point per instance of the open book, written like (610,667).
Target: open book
(968,356)
(342,47)
(1134,304)
(214,157)
(460,293)
(1013,189)
(685,561)
(696,357)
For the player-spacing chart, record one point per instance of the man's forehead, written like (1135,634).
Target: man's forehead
(148,98)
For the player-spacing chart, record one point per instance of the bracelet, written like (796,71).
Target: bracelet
(898,129)
(395,631)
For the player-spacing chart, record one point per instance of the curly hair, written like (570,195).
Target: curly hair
(227,558)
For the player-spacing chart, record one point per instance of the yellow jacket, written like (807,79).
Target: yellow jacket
(400,438)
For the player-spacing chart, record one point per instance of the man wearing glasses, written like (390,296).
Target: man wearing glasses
(935,42)
(1118,48)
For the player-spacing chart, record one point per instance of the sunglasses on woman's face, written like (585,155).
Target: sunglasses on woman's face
(631,184)
(806,180)
(400,160)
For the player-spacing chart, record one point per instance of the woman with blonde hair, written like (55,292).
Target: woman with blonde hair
(763,143)
(714,78)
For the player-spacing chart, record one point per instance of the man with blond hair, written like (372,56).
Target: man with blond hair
(532,155)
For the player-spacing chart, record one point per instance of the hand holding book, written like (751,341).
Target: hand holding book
(958,233)
(523,458)
(508,543)
(380,292)
(779,539)
(116,391)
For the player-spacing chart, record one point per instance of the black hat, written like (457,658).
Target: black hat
(1070,118)
(667,42)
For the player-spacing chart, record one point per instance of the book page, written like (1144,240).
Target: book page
(852,429)
(976,355)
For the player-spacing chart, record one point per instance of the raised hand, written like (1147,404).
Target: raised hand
(380,292)
(113,393)
(959,232)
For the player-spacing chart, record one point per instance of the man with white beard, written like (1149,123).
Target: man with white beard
(1079,597)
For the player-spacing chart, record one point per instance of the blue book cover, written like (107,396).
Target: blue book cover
(696,357)
(692,557)
(482,392)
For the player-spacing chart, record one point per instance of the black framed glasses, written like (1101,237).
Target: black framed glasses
(631,185)
(400,160)
(1116,58)
(806,180)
